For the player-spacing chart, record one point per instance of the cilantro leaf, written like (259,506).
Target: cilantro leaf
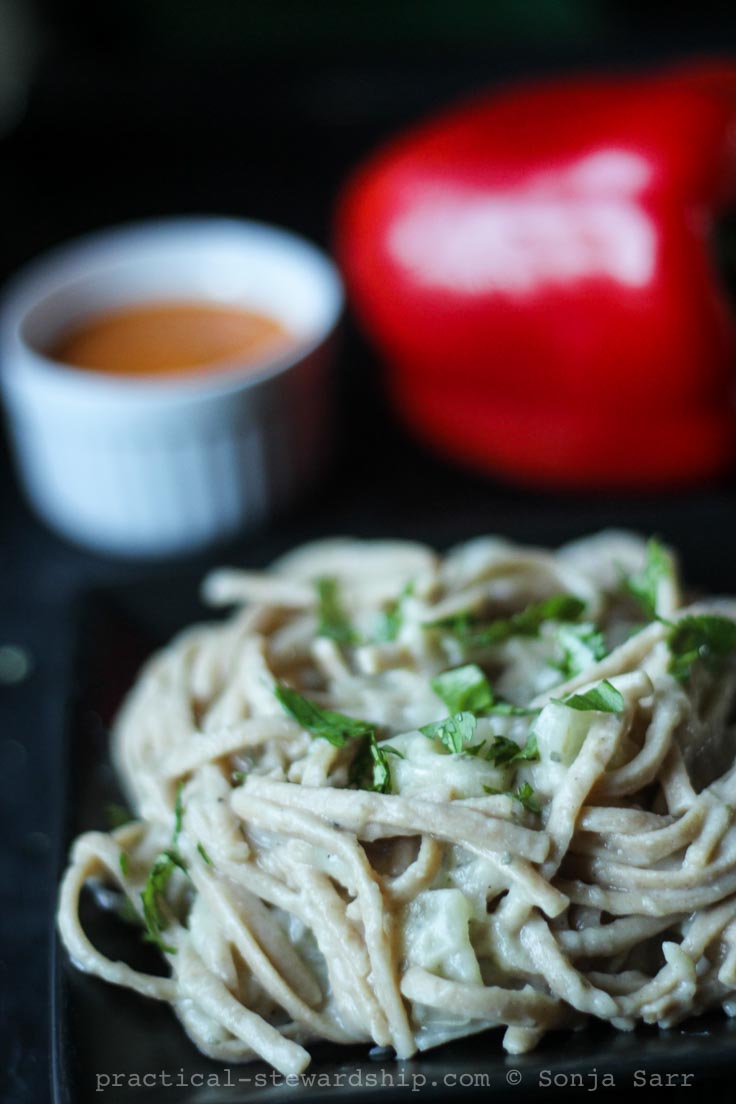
(603,698)
(506,751)
(560,607)
(502,750)
(467,688)
(337,728)
(203,853)
(475,749)
(369,769)
(333,621)
(463,688)
(530,751)
(126,911)
(158,879)
(527,622)
(524,795)
(644,584)
(392,617)
(453,732)
(178,814)
(506,709)
(581,646)
(701,636)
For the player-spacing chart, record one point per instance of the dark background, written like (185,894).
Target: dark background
(115,109)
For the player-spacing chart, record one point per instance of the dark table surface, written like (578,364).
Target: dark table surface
(97,146)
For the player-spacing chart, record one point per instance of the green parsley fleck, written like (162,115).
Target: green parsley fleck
(644,585)
(475,750)
(126,911)
(392,618)
(701,636)
(582,645)
(239,777)
(506,751)
(124,863)
(178,813)
(506,709)
(467,688)
(337,728)
(527,622)
(524,795)
(155,919)
(203,853)
(604,698)
(454,732)
(464,688)
(333,621)
(369,769)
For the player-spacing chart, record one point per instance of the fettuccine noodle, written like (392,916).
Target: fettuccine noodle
(538,860)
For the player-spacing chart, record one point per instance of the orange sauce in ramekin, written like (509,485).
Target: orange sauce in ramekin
(171,338)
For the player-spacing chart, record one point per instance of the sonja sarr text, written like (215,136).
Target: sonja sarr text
(596,1079)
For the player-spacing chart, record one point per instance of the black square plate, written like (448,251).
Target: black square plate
(113,1045)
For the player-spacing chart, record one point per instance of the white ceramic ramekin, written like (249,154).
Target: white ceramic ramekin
(153,467)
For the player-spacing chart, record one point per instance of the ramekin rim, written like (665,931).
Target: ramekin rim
(218,378)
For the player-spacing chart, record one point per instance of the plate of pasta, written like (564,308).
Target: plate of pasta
(401,809)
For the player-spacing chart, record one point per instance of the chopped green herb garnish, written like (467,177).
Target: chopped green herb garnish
(505,751)
(475,749)
(124,863)
(474,634)
(530,751)
(581,646)
(464,688)
(644,584)
(205,856)
(392,617)
(369,769)
(506,709)
(560,607)
(502,750)
(603,698)
(333,621)
(337,728)
(178,813)
(158,879)
(454,732)
(126,911)
(117,815)
(467,688)
(239,777)
(701,636)
(524,795)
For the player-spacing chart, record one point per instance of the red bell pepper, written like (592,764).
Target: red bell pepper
(537,267)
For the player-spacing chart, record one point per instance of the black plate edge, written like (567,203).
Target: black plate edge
(79,613)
